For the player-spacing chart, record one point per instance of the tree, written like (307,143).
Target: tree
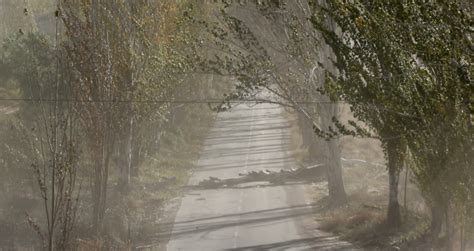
(394,60)
(443,148)
(366,66)
(56,173)
(123,65)
(48,126)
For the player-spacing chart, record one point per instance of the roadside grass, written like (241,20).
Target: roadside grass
(363,223)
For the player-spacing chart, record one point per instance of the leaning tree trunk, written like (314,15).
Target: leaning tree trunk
(306,129)
(329,152)
(328,111)
(332,157)
(395,155)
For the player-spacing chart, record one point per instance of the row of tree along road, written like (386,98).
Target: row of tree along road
(404,68)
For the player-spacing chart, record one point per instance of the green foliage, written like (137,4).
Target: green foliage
(406,70)
(28,61)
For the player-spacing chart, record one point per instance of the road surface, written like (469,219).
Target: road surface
(255,216)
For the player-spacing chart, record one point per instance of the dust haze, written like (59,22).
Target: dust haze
(236,125)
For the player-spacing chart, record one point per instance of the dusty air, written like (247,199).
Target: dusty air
(166,125)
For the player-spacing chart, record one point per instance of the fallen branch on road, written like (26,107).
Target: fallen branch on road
(304,174)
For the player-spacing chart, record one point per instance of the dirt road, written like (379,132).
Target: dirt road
(253,216)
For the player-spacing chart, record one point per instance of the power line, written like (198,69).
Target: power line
(201,101)
(197,101)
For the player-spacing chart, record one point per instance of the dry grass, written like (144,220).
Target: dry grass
(364,225)
(350,221)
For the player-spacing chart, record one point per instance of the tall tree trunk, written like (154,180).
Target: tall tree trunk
(332,156)
(442,221)
(105,182)
(330,153)
(125,151)
(327,112)
(395,155)
(136,156)
(101,156)
(436,221)
(337,192)
(97,191)
(126,147)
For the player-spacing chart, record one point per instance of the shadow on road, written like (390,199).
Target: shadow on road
(254,218)
(313,243)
